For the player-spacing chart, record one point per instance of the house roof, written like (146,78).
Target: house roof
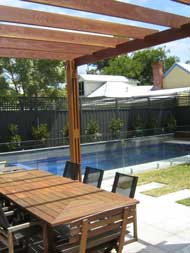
(119,89)
(183,66)
(103,78)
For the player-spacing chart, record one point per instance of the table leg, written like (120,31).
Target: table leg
(45,238)
(49,246)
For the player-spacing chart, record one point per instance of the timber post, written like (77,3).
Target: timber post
(74,114)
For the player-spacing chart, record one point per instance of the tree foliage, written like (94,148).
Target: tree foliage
(31,77)
(137,65)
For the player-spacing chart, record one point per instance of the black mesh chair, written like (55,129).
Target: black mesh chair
(16,235)
(93,176)
(125,184)
(72,170)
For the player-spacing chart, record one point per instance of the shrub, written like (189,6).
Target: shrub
(65,130)
(171,123)
(40,133)
(65,133)
(92,130)
(138,123)
(115,126)
(14,138)
(151,125)
(138,126)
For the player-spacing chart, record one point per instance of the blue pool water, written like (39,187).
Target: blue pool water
(119,158)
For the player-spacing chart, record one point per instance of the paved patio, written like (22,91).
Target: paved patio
(163,225)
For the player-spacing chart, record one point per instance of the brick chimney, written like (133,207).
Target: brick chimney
(158,74)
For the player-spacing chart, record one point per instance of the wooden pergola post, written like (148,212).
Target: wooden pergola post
(74,115)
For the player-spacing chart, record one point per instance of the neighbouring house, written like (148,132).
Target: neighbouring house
(119,89)
(94,86)
(178,76)
(97,85)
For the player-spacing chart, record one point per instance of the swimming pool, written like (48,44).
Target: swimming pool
(108,160)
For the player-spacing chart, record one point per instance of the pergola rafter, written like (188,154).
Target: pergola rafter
(46,19)
(26,33)
(27,44)
(22,32)
(36,54)
(182,1)
(121,10)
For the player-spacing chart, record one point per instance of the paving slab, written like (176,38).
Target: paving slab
(183,250)
(140,248)
(173,244)
(150,186)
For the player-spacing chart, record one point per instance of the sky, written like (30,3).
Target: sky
(180,48)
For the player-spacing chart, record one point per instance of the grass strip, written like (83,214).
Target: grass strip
(176,178)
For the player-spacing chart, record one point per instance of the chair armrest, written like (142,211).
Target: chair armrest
(22,226)
(9,213)
(5,209)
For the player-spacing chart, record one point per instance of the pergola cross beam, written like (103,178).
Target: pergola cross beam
(131,46)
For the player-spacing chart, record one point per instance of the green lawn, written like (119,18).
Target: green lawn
(185,202)
(176,178)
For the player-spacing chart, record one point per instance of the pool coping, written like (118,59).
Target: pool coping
(140,168)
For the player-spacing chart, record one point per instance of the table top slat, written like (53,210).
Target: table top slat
(52,194)
(33,184)
(22,175)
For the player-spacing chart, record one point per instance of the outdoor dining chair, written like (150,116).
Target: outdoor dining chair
(71,170)
(104,231)
(93,176)
(16,236)
(126,185)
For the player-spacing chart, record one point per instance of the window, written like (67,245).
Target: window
(81,88)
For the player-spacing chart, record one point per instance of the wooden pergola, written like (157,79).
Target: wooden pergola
(26,33)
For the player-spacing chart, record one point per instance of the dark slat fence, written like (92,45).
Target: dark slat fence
(28,112)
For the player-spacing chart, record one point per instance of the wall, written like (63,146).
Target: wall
(177,78)
(89,87)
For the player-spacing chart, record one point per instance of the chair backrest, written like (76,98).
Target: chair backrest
(96,230)
(125,184)
(4,223)
(93,176)
(71,170)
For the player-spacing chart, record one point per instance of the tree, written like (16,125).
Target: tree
(98,66)
(137,65)
(4,87)
(31,77)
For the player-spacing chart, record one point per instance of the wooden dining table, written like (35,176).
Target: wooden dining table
(56,200)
